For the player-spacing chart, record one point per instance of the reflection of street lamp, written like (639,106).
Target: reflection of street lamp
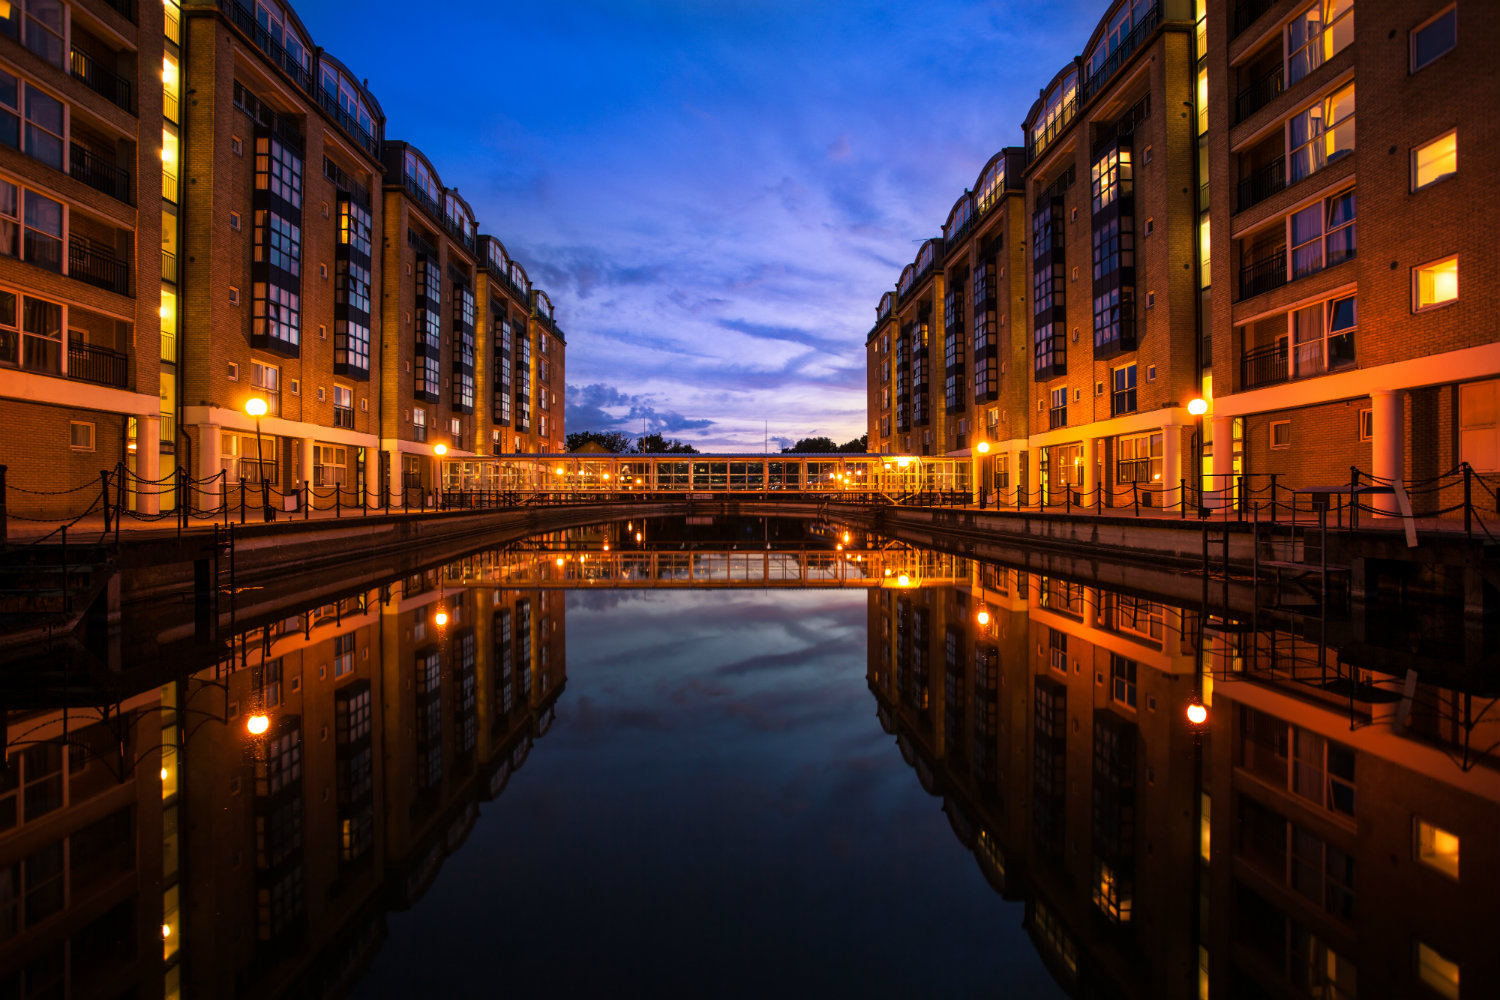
(1197,713)
(257,408)
(1197,408)
(983,618)
(258,723)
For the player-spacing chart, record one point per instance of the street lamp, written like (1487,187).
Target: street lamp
(439,450)
(1197,713)
(258,723)
(1198,407)
(257,408)
(983,449)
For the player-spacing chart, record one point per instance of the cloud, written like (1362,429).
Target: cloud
(600,407)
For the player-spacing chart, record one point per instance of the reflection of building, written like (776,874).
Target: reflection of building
(81,829)
(1330,844)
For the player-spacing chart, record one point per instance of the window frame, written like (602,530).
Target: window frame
(1420,185)
(1272,431)
(93,441)
(1411,44)
(1416,284)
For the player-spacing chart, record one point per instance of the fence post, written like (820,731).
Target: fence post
(67,594)
(1353,498)
(307,499)
(1468,502)
(1273,498)
(104,495)
(1136,488)
(1182,499)
(242,499)
(1240,500)
(4,511)
(1068,504)
(338,501)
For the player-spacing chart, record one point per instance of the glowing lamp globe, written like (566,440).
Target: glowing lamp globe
(258,724)
(983,448)
(982,618)
(440,450)
(256,407)
(1197,714)
(1198,407)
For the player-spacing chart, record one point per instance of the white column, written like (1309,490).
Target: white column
(1171,464)
(1090,471)
(210,453)
(148,460)
(1223,481)
(393,458)
(1033,474)
(305,465)
(1387,448)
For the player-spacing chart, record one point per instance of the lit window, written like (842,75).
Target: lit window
(1435,284)
(1436,971)
(1321,134)
(1434,161)
(1434,38)
(1437,847)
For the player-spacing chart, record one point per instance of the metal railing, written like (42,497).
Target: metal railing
(1264,366)
(169,266)
(1260,276)
(343,416)
(99,365)
(244,20)
(105,82)
(97,267)
(1139,32)
(1257,94)
(1248,12)
(1262,182)
(99,172)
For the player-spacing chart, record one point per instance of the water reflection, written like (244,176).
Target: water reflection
(1329,831)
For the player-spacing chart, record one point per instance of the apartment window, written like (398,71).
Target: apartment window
(1436,971)
(1124,390)
(1317,35)
(1366,425)
(501,382)
(1281,434)
(1138,458)
(81,435)
(31,226)
(523,380)
(343,406)
(1057,414)
(1320,134)
(266,381)
(1437,848)
(985,329)
(1322,235)
(428,330)
(236,146)
(463,348)
(330,465)
(39,131)
(277,264)
(1122,679)
(1435,284)
(351,311)
(1049,341)
(418,424)
(41,30)
(456,432)
(1433,161)
(1323,336)
(31,333)
(1434,38)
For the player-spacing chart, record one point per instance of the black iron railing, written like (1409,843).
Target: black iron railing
(1040,139)
(125,8)
(1261,183)
(97,267)
(1259,276)
(1139,32)
(99,365)
(101,80)
(169,266)
(1247,12)
(244,20)
(1264,366)
(343,416)
(99,173)
(1257,94)
(352,128)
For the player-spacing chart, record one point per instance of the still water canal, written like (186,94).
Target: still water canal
(746,758)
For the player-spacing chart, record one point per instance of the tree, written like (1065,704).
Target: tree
(655,444)
(616,442)
(860,444)
(812,445)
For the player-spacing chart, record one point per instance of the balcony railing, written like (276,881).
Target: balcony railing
(99,173)
(1263,366)
(1139,32)
(1261,183)
(1040,139)
(347,122)
(1257,94)
(125,8)
(244,20)
(1057,418)
(169,266)
(1247,12)
(343,416)
(100,80)
(97,267)
(421,197)
(1258,277)
(99,365)
(169,106)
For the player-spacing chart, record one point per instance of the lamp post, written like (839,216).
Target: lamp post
(1198,407)
(983,448)
(439,450)
(257,408)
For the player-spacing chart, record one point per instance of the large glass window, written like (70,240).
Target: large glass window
(1123,398)
(1316,35)
(1321,134)
(351,343)
(1433,161)
(44,128)
(1435,284)
(1323,336)
(1138,458)
(1322,234)
(1434,38)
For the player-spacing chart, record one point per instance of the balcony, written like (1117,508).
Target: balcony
(125,8)
(428,205)
(1257,94)
(1139,32)
(343,416)
(98,365)
(1261,183)
(1260,276)
(244,20)
(169,267)
(1038,141)
(1247,12)
(99,173)
(105,82)
(345,121)
(1057,417)
(1263,366)
(98,267)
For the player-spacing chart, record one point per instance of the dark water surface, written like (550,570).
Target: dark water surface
(719,757)
(715,812)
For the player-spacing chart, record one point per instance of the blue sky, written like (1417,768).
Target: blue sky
(715,194)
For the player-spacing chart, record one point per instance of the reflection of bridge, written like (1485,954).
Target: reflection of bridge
(769,475)
(742,568)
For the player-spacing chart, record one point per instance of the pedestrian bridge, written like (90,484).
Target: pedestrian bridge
(826,476)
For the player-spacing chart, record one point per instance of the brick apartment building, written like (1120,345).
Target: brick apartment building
(277,185)
(1188,143)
